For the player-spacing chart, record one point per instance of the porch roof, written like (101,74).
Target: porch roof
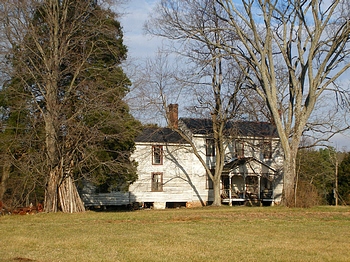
(242,161)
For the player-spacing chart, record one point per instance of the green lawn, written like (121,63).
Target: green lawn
(203,234)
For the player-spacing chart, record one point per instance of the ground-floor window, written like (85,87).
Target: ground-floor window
(157,182)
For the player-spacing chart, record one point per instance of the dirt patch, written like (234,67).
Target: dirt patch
(186,219)
(22,259)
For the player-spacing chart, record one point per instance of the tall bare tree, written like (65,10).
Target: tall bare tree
(65,58)
(194,27)
(306,41)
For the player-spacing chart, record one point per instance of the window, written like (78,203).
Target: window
(157,182)
(157,155)
(209,147)
(239,149)
(267,150)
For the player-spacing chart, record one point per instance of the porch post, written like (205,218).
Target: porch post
(230,188)
(244,186)
(259,186)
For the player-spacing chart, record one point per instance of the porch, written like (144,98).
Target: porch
(247,182)
(253,190)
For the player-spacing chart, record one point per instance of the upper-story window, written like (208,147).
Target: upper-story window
(239,149)
(267,150)
(209,147)
(157,155)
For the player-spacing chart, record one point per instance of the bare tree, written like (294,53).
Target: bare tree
(154,83)
(210,74)
(308,41)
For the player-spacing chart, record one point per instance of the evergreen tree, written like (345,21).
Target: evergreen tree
(67,66)
(316,173)
(344,179)
(21,182)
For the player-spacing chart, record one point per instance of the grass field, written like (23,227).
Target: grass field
(203,234)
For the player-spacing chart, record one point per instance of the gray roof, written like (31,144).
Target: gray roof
(159,135)
(242,161)
(235,128)
(204,127)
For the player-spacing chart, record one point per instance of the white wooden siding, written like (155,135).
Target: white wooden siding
(107,199)
(184,177)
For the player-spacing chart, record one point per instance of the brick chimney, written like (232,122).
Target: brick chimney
(173,114)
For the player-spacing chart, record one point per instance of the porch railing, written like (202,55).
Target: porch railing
(230,194)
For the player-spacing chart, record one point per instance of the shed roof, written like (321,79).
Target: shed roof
(242,161)
(235,128)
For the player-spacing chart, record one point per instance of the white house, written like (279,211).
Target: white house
(170,175)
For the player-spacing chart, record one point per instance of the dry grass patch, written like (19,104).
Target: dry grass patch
(199,234)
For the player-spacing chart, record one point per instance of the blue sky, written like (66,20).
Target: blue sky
(136,13)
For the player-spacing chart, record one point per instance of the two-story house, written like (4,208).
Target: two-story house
(170,174)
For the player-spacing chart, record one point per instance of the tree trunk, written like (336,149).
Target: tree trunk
(51,192)
(289,179)
(4,177)
(70,200)
(216,190)
(62,192)
(55,176)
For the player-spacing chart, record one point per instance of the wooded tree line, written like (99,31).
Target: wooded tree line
(322,177)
